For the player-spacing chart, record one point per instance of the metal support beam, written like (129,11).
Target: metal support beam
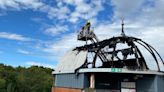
(92,81)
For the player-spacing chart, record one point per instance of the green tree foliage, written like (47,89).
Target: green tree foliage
(21,79)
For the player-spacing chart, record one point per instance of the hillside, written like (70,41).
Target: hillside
(21,79)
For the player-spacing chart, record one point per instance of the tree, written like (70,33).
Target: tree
(21,79)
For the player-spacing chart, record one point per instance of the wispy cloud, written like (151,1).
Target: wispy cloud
(9,3)
(60,11)
(20,4)
(31,63)
(59,48)
(13,36)
(84,10)
(23,52)
(126,8)
(56,30)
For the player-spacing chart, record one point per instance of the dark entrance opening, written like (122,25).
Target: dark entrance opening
(114,82)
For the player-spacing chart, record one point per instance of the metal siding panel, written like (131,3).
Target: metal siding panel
(86,80)
(146,84)
(71,61)
(70,80)
(156,83)
(160,83)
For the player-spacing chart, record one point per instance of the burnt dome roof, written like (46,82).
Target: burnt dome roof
(138,62)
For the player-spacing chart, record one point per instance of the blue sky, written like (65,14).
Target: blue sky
(39,32)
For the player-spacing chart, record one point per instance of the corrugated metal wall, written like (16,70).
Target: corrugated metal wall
(72,81)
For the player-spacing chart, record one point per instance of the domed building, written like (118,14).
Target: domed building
(116,64)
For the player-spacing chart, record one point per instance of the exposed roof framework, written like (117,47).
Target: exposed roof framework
(138,62)
(77,58)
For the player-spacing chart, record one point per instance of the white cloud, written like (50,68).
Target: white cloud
(23,52)
(140,12)
(56,30)
(59,13)
(84,10)
(9,3)
(153,15)
(71,2)
(59,48)
(35,4)
(126,8)
(12,36)
(73,19)
(82,7)
(33,63)
(20,4)
(61,10)
(154,38)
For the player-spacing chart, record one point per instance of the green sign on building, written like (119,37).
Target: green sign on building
(116,70)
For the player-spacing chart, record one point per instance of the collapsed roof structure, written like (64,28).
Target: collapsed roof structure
(120,69)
